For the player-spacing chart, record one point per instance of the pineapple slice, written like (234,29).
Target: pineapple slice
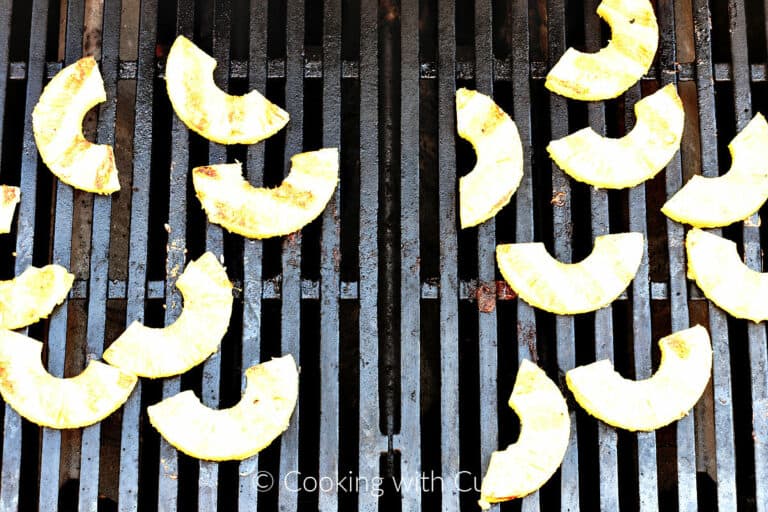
(734,196)
(239,432)
(57,122)
(715,265)
(9,198)
(192,338)
(499,169)
(54,402)
(545,429)
(31,296)
(208,110)
(255,212)
(568,289)
(632,159)
(686,363)
(615,68)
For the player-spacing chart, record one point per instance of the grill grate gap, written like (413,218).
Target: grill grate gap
(469,407)
(309,427)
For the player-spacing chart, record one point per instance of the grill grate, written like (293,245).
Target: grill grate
(404,378)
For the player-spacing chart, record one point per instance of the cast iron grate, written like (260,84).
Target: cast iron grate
(407,341)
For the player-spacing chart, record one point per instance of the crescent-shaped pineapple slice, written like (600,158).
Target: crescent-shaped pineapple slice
(734,196)
(9,198)
(57,122)
(544,433)
(239,432)
(686,363)
(571,288)
(208,110)
(192,338)
(722,276)
(55,402)
(257,212)
(499,169)
(616,67)
(627,161)
(32,295)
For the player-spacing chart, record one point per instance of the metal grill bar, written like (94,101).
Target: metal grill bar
(8,492)
(758,354)
(370,439)
(449,318)
(137,252)
(562,234)
(686,447)
(168,467)
(290,310)
(253,250)
(486,258)
(409,438)
(5,39)
(313,68)
(607,437)
(208,477)
(641,327)
(524,224)
(310,290)
(57,332)
(99,267)
(330,255)
(724,428)
(11,463)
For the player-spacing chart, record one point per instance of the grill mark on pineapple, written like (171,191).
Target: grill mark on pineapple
(232,116)
(290,194)
(494,118)
(125,380)
(10,194)
(680,347)
(567,85)
(5,381)
(81,71)
(104,171)
(208,171)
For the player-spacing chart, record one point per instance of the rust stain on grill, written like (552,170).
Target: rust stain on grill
(336,259)
(486,297)
(558,199)
(504,291)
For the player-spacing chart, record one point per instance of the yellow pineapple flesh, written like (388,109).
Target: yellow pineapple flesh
(57,122)
(499,168)
(649,404)
(734,196)
(262,414)
(715,265)
(630,160)
(192,338)
(9,198)
(55,402)
(571,288)
(208,110)
(545,429)
(32,295)
(615,68)
(260,212)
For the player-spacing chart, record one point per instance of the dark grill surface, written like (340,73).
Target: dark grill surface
(407,339)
